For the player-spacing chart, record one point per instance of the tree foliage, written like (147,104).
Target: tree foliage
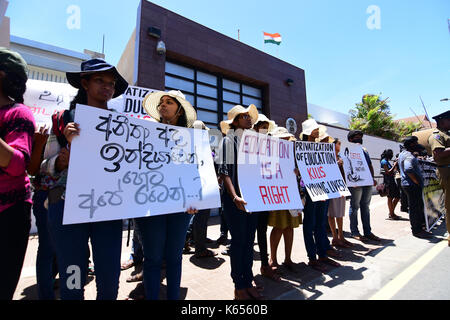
(373,116)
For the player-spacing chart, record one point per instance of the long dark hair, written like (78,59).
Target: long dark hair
(81,97)
(386,153)
(13,86)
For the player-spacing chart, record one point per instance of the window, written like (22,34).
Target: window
(211,95)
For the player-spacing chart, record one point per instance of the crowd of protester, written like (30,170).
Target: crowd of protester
(159,241)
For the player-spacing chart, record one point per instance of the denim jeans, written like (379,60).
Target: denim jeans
(137,254)
(163,238)
(46,266)
(200,229)
(415,207)
(314,228)
(16,223)
(360,199)
(242,228)
(71,244)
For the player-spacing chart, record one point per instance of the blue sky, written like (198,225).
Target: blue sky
(343,59)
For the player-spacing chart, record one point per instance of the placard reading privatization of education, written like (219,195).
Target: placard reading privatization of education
(266,173)
(318,167)
(122,167)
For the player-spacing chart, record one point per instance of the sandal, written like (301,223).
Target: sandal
(330,262)
(316,265)
(127,265)
(205,254)
(394,217)
(136,278)
(268,272)
(359,237)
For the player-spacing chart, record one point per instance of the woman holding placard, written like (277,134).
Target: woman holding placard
(283,222)
(163,236)
(314,219)
(241,223)
(336,209)
(97,83)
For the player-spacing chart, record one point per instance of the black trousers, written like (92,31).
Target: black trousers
(15,223)
(416,207)
(261,231)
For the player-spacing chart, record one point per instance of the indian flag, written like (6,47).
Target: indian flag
(272,38)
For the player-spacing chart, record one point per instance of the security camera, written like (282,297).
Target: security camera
(161,48)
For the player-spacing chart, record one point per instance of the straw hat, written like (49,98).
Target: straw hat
(308,127)
(199,124)
(263,118)
(152,100)
(323,134)
(234,112)
(281,132)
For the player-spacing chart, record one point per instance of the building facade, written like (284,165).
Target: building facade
(215,72)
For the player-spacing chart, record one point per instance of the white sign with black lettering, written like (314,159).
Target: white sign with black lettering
(122,167)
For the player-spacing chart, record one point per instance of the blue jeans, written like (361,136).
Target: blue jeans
(314,228)
(360,199)
(71,244)
(242,227)
(46,267)
(163,238)
(137,254)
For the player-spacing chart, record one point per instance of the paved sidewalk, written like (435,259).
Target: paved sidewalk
(363,268)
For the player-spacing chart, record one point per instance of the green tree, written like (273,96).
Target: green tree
(373,116)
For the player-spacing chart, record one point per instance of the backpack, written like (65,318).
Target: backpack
(59,122)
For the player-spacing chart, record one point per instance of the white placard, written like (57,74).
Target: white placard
(357,172)
(122,167)
(44,98)
(266,173)
(320,172)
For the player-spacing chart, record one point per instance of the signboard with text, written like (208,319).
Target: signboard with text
(266,173)
(357,172)
(121,168)
(320,173)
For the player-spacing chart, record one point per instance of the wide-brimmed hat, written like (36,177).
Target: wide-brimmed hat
(199,124)
(324,134)
(13,62)
(281,132)
(263,118)
(234,112)
(308,126)
(93,66)
(152,101)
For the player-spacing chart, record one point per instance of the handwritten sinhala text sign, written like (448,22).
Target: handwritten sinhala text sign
(357,173)
(319,170)
(266,173)
(45,98)
(122,167)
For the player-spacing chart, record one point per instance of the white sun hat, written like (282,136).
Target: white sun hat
(153,99)
(263,118)
(234,112)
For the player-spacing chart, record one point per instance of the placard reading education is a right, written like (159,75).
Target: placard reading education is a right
(320,173)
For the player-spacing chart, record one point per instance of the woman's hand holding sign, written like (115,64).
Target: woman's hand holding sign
(70,131)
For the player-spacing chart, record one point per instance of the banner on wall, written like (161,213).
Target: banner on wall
(122,167)
(356,168)
(266,173)
(320,173)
